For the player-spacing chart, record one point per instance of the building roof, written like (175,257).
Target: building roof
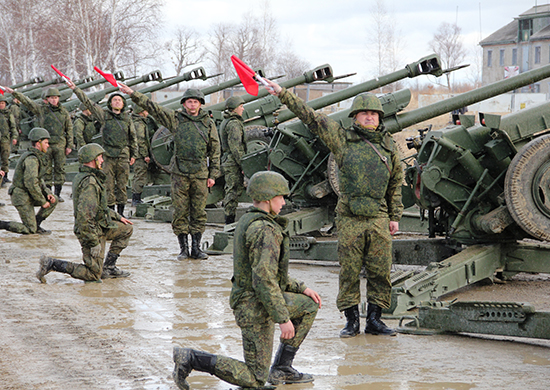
(509,33)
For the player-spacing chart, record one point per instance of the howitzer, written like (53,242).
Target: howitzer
(34,80)
(175,103)
(66,92)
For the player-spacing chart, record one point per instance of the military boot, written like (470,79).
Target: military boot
(375,324)
(57,192)
(186,360)
(5,225)
(229,219)
(282,372)
(110,270)
(120,210)
(352,326)
(5,180)
(184,246)
(49,264)
(136,199)
(39,229)
(196,252)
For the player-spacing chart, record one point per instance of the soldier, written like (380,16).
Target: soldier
(139,116)
(233,149)
(369,207)
(263,294)
(119,141)
(8,137)
(28,188)
(85,127)
(94,224)
(194,167)
(56,119)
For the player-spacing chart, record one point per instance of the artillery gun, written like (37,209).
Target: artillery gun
(33,80)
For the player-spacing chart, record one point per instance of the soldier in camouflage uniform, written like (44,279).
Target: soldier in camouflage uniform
(369,207)
(56,119)
(94,224)
(119,141)
(28,189)
(85,127)
(139,116)
(194,167)
(8,137)
(263,294)
(233,148)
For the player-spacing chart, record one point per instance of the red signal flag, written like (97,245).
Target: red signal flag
(2,91)
(61,74)
(246,75)
(107,76)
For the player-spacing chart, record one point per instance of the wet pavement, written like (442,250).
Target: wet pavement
(119,334)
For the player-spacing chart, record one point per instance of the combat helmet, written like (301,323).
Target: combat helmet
(193,93)
(38,134)
(89,152)
(265,185)
(111,98)
(3,99)
(233,102)
(366,102)
(52,92)
(137,109)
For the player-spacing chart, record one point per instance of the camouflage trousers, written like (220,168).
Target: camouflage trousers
(5,150)
(234,187)
(55,164)
(117,172)
(364,242)
(25,207)
(258,344)
(140,175)
(189,201)
(93,266)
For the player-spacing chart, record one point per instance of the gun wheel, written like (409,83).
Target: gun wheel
(162,156)
(256,133)
(527,188)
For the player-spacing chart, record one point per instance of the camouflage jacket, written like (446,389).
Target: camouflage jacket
(15,110)
(196,142)
(232,139)
(117,130)
(91,214)
(84,129)
(142,132)
(260,269)
(8,130)
(28,175)
(368,188)
(55,119)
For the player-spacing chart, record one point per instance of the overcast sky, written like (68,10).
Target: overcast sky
(335,31)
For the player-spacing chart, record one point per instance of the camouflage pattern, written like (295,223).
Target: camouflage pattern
(15,110)
(95,223)
(233,148)
(366,202)
(57,120)
(8,133)
(140,166)
(28,191)
(84,127)
(120,143)
(233,102)
(89,153)
(366,102)
(192,93)
(263,294)
(196,159)
(265,185)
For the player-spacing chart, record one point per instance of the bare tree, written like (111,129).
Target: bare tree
(447,43)
(185,49)
(387,44)
(219,50)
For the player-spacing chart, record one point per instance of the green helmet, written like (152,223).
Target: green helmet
(38,134)
(111,98)
(82,107)
(193,93)
(52,92)
(265,185)
(137,109)
(233,102)
(3,99)
(366,102)
(89,152)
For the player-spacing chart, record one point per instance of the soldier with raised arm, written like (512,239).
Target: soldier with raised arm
(8,137)
(194,167)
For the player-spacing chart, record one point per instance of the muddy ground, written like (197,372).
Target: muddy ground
(67,334)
